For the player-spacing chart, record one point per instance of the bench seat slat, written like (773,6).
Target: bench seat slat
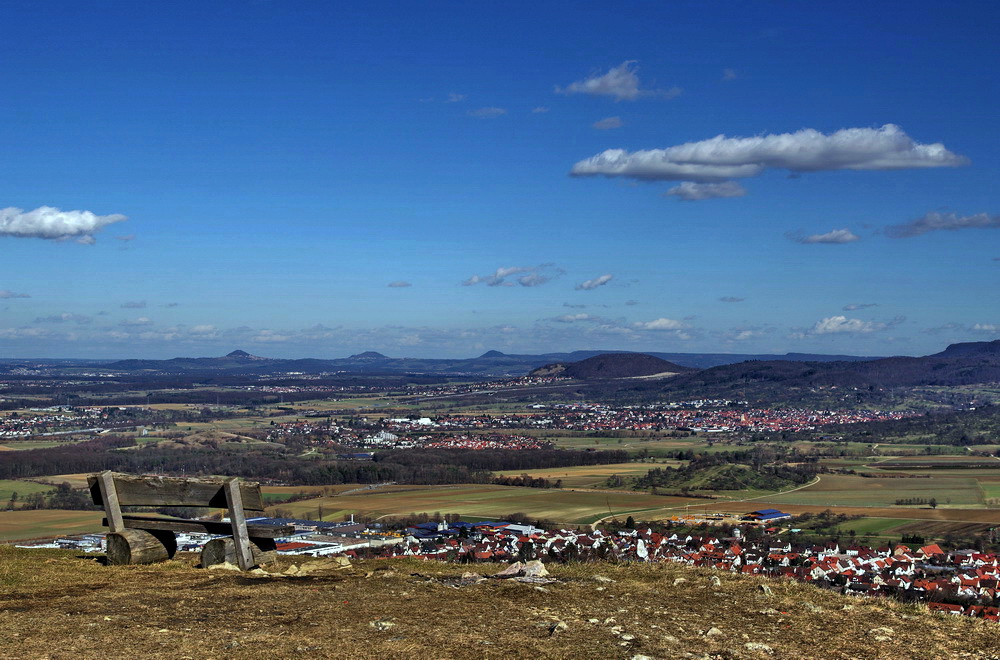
(207,526)
(134,490)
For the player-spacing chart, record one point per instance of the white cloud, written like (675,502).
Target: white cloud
(841,324)
(608,123)
(454,98)
(575,318)
(661,324)
(532,279)
(487,113)
(540,110)
(5,294)
(203,330)
(835,237)
(943,222)
(142,320)
(729,74)
(23,333)
(721,158)
(621,82)
(689,191)
(530,276)
(594,283)
(51,223)
(986,327)
(855,306)
(135,304)
(398,284)
(64,318)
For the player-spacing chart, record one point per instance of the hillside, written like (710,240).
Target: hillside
(62,606)
(613,365)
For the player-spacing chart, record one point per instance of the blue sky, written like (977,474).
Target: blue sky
(440,179)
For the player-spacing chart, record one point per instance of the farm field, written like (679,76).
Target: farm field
(21,445)
(484,501)
(22,488)
(47,523)
(842,490)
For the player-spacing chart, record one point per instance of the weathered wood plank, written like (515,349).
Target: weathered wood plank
(109,495)
(133,490)
(240,538)
(206,526)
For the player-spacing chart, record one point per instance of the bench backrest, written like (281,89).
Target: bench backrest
(134,490)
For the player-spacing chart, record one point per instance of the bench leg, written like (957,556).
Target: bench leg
(223,550)
(138,546)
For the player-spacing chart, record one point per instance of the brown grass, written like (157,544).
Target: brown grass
(57,605)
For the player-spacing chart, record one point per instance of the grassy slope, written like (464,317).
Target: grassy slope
(57,605)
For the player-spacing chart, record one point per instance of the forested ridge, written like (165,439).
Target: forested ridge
(276,464)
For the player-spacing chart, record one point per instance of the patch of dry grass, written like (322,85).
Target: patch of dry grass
(54,604)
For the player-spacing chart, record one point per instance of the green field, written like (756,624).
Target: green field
(563,506)
(22,488)
(850,490)
(21,525)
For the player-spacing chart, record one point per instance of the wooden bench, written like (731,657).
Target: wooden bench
(134,539)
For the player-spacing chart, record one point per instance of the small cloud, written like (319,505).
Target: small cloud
(530,276)
(203,330)
(689,191)
(662,324)
(843,325)
(571,306)
(835,237)
(856,306)
(173,304)
(631,303)
(64,318)
(5,294)
(142,320)
(942,222)
(576,318)
(540,110)
(487,113)
(53,224)
(990,328)
(588,285)
(608,123)
(722,158)
(621,82)
(138,304)
(532,279)
(454,98)
(731,299)
(126,238)
(729,74)
(398,284)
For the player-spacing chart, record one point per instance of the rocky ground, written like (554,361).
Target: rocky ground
(56,604)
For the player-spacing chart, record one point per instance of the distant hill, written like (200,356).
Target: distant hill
(613,365)
(959,364)
(368,355)
(975,349)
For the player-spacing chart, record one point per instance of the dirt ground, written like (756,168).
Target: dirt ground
(55,604)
